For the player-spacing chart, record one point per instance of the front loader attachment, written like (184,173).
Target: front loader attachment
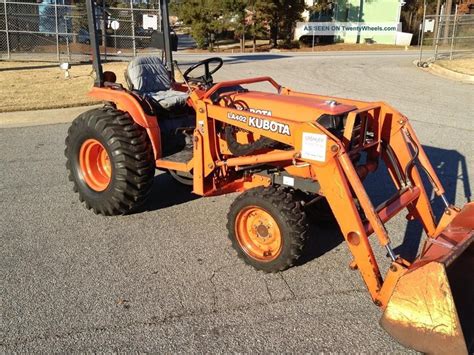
(432,306)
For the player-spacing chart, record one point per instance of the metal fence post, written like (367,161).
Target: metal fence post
(68,49)
(422,34)
(438,34)
(57,29)
(133,30)
(454,33)
(104,30)
(6,31)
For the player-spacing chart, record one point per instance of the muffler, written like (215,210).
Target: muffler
(432,306)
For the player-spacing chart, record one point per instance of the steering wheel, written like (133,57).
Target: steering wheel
(205,79)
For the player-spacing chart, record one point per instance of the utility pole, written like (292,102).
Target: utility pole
(447,18)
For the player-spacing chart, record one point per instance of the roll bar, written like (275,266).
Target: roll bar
(99,77)
(96,61)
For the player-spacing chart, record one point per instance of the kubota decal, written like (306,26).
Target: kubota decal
(260,111)
(269,125)
(260,123)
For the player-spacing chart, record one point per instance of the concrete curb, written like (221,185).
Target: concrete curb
(447,73)
(451,74)
(41,117)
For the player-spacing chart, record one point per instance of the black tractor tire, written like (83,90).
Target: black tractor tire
(130,157)
(286,210)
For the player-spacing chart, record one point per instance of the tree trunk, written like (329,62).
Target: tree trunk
(438,6)
(254,34)
(274,35)
(410,29)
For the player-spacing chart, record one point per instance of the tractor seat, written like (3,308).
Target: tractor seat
(149,77)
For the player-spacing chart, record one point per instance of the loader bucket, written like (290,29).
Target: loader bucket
(432,306)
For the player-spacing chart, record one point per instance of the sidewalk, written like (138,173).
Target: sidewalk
(41,117)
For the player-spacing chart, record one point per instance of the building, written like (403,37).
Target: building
(380,12)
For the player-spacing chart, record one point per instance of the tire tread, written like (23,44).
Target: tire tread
(290,212)
(131,152)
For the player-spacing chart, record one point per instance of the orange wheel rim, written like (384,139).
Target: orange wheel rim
(95,165)
(258,234)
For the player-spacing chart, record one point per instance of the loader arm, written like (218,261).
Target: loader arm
(426,301)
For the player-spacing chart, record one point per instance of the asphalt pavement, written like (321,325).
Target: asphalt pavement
(166,279)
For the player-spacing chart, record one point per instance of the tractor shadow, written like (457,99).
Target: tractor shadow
(167,192)
(324,233)
(324,236)
(452,170)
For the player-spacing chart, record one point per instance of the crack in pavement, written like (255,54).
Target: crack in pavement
(214,286)
(154,322)
(287,285)
(268,290)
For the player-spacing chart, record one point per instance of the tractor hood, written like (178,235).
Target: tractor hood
(294,108)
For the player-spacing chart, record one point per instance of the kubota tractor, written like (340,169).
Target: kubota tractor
(285,151)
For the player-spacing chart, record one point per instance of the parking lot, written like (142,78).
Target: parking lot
(167,279)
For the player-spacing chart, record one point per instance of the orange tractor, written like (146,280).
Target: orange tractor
(287,152)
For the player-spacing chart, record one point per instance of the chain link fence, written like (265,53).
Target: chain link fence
(446,36)
(51,31)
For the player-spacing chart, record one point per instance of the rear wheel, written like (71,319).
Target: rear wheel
(110,161)
(267,227)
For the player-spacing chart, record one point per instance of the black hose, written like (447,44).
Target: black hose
(239,149)
(412,162)
(394,162)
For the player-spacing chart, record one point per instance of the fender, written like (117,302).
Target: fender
(126,102)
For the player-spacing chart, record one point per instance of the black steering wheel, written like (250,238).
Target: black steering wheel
(205,79)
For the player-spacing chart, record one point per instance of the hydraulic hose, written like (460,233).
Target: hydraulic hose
(239,149)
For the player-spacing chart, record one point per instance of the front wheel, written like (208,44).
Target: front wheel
(110,161)
(268,228)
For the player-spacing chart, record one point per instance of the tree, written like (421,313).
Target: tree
(234,15)
(204,17)
(252,17)
(79,17)
(259,20)
(283,16)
